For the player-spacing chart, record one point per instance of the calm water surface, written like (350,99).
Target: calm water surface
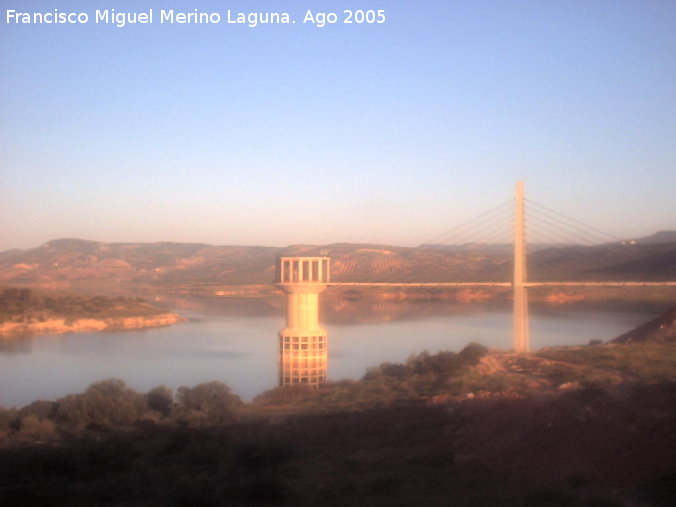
(240,348)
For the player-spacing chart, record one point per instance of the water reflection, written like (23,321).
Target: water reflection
(15,344)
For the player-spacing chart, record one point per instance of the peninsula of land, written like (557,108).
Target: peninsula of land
(28,311)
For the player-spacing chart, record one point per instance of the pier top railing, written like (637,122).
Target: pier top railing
(302,270)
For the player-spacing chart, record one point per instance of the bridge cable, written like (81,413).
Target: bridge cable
(459,230)
(570,259)
(604,233)
(459,235)
(591,259)
(487,232)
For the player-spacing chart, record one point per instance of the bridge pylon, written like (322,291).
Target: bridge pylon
(520,337)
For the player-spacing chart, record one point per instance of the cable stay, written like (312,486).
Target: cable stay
(456,235)
(608,235)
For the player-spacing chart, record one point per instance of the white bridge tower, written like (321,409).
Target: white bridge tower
(520,338)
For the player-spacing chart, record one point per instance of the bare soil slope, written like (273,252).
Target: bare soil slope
(659,330)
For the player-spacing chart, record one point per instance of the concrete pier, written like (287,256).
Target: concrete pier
(303,344)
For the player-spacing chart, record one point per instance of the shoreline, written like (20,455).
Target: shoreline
(553,295)
(67,325)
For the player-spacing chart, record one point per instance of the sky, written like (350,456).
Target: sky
(385,133)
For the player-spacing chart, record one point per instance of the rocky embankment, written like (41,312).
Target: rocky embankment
(63,325)
(659,330)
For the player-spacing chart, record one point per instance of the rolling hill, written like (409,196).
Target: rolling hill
(118,267)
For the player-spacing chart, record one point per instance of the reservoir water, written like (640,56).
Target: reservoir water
(236,342)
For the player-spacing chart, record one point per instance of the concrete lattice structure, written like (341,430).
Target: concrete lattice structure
(303,344)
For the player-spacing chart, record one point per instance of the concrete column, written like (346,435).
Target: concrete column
(520,332)
(306,358)
(302,310)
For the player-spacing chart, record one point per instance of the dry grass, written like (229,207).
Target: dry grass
(644,362)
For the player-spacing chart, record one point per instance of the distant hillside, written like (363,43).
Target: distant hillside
(610,261)
(73,263)
(659,237)
(97,266)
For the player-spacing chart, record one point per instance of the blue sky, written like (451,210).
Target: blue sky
(386,133)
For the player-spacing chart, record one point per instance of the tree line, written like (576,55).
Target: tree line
(111,404)
(27,305)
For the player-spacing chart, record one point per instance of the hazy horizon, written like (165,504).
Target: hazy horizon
(367,243)
(291,134)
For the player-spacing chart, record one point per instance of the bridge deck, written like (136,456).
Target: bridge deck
(421,284)
(501,284)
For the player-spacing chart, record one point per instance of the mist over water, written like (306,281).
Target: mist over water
(236,342)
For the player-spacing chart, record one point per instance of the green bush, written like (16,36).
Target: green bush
(160,399)
(35,427)
(41,409)
(286,395)
(473,352)
(8,418)
(208,404)
(108,403)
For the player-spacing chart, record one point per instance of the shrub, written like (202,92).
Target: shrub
(33,426)
(111,403)
(70,413)
(8,418)
(208,404)
(394,370)
(108,403)
(160,399)
(473,352)
(41,409)
(286,395)
(442,364)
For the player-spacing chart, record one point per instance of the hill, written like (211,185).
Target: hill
(97,266)
(659,330)
(659,237)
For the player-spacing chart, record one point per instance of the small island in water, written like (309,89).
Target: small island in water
(29,311)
